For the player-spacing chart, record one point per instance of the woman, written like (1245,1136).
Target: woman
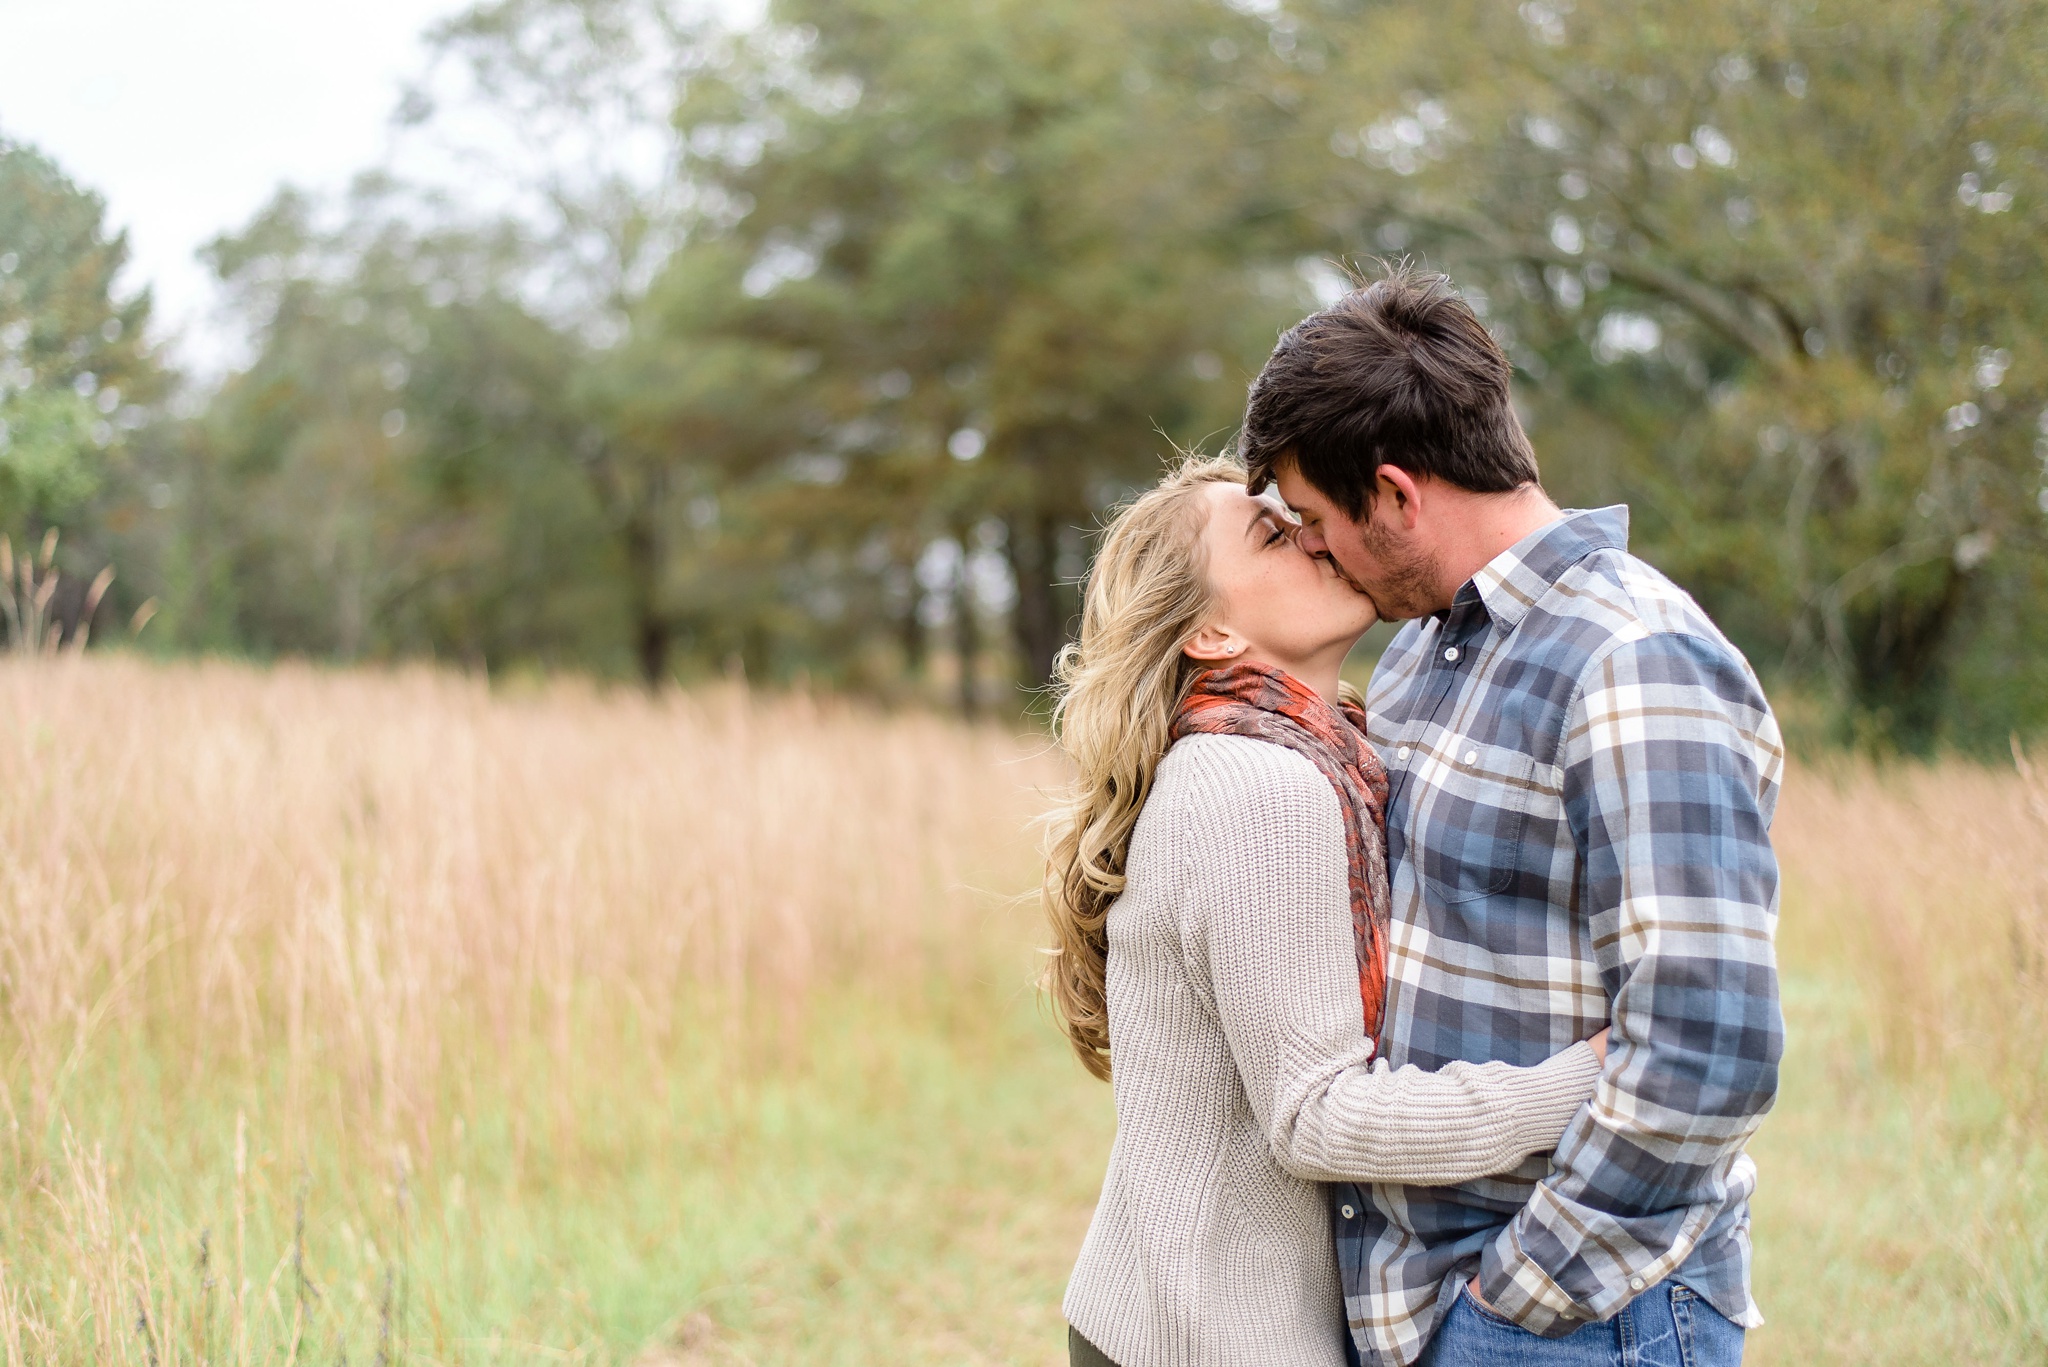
(1217,886)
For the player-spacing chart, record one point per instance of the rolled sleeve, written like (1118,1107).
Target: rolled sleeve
(1668,799)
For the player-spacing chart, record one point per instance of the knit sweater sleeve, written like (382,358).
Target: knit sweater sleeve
(1267,909)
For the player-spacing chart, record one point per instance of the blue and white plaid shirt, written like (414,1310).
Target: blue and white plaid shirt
(1583,775)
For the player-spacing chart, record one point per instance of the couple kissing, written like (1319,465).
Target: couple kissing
(1437,1020)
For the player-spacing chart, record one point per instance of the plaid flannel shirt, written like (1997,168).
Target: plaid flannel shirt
(1583,776)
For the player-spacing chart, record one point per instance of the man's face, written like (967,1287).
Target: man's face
(1393,564)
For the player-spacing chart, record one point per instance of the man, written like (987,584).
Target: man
(1583,775)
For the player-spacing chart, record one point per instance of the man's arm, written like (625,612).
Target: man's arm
(1663,792)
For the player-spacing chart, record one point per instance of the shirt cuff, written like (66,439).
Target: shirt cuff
(1523,1290)
(1518,1288)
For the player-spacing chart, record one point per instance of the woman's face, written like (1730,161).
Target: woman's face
(1274,601)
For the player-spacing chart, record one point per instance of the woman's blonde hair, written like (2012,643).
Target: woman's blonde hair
(1117,690)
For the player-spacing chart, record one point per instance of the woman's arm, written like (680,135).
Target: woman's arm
(1269,905)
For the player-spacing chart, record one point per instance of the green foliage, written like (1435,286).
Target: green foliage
(1011,321)
(77,381)
(822,345)
(49,460)
(385,479)
(1775,277)
(74,369)
(60,321)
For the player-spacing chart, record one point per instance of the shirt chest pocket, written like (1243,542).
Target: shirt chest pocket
(1473,818)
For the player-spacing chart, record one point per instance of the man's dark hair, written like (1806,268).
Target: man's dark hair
(1398,372)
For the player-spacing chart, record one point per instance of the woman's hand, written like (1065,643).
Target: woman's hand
(1599,1043)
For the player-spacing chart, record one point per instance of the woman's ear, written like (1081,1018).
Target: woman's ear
(1215,644)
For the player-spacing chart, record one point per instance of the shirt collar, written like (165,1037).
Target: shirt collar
(1511,582)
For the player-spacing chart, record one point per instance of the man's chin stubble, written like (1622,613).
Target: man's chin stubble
(1399,597)
(1404,592)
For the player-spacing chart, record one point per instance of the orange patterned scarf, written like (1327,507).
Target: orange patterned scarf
(1268,704)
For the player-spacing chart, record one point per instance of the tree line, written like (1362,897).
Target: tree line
(819,346)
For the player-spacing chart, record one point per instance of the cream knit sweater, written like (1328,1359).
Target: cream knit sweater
(1243,1077)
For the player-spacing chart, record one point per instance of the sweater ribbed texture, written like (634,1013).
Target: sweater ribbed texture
(1243,1077)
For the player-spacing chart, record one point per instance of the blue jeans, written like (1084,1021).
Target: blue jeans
(1667,1326)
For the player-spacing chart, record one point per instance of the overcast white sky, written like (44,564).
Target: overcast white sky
(186,114)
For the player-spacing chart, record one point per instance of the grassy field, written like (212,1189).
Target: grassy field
(390,1017)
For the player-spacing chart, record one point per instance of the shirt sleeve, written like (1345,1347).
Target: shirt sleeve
(1664,788)
(1270,901)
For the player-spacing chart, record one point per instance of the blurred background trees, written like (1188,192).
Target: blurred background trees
(818,346)
(75,381)
(1775,276)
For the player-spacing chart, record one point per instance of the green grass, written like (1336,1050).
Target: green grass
(906,1185)
(1897,1222)
(909,1185)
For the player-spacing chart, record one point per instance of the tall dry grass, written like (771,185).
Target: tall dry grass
(1928,886)
(1903,1212)
(388,1017)
(368,905)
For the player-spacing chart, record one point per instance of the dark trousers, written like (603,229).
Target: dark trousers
(1082,1353)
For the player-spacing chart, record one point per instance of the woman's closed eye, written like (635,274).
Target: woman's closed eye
(1272,529)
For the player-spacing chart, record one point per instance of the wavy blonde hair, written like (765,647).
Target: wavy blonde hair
(1117,690)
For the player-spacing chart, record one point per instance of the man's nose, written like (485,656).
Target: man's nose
(1311,540)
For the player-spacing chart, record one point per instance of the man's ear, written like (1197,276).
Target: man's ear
(1405,491)
(1214,644)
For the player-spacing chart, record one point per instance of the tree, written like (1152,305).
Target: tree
(579,93)
(386,477)
(1775,275)
(76,375)
(1024,238)
(824,343)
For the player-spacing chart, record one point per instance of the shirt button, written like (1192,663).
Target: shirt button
(1348,1212)
(1566,1315)
(1402,753)
(1471,757)
(1451,654)
(1635,1283)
